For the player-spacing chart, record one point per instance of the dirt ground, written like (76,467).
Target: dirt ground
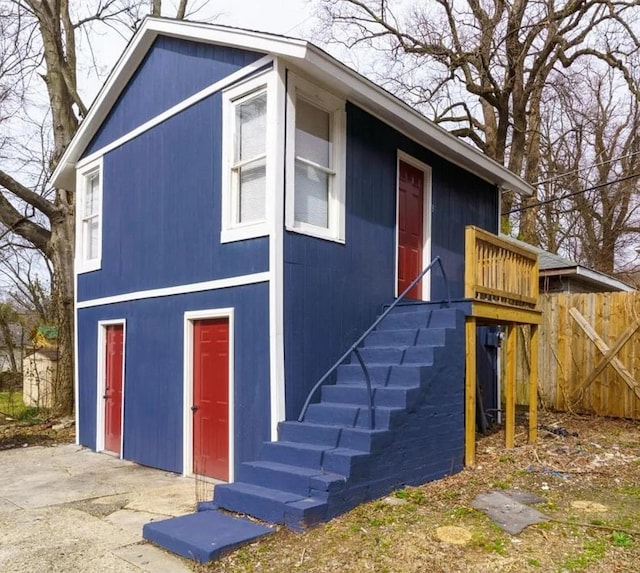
(46,433)
(586,469)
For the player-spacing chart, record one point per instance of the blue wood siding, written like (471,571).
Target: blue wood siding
(153,411)
(161,210)
(334,291)
(172,71)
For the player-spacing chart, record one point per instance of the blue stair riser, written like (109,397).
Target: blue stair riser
(264,503)
(386,355)
(348,373)
(295,454)
(362,439)
(410,337)
(404,338)
(289,478)
(398,375)
(347,415)
(441,318)
(394,397)
(395,356)
(307,432)
(350,463)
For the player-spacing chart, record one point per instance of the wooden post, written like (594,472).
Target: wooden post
(470,393)
(470,262)
(533,386)
(510,391)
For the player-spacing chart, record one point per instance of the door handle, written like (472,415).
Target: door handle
(194,408)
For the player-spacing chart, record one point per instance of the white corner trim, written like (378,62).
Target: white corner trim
(275,215)
(179,107)
(176,290)
(101,382)
(187,401)
(76,366)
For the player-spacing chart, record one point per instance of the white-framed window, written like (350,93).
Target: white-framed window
(89,217)
(246,159)
(316,149)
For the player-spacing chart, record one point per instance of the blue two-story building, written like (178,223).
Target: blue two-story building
(246,205)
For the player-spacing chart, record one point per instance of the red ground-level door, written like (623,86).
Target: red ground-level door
(410,227)
(211,398)
(113,387)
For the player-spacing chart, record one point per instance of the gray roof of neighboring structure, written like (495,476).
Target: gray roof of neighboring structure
(552,264)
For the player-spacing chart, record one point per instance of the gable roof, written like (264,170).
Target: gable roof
(550,264)
(317,63)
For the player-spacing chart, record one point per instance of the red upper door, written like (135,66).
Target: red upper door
(211,398)
(113,388)
(410,227)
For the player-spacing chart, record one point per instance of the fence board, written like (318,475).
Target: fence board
(568,356)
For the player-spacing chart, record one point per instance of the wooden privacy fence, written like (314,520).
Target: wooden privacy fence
(589,354)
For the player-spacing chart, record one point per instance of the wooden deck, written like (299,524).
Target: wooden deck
(501,280)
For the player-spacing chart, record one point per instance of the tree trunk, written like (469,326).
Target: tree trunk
(61,256)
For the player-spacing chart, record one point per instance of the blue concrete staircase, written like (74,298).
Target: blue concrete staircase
(333,460)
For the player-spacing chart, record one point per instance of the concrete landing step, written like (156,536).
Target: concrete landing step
(203,536)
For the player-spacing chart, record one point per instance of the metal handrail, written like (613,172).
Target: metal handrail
(356,344)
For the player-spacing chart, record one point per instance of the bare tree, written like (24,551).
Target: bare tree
(482,68)
(591,154)
(39,44)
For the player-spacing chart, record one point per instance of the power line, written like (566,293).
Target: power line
(572,194)
(619,158)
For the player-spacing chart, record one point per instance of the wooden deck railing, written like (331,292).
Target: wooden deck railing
(499,272)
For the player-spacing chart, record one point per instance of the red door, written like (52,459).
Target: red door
(211,398)
(113,388)
(410,227)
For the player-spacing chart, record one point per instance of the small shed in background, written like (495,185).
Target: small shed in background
(39,369)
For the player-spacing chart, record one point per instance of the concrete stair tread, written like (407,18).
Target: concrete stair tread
(205,535)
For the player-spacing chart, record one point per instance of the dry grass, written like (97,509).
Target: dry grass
(398,535)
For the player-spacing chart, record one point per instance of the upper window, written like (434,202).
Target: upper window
(315,161)
(245,161)
(89,206)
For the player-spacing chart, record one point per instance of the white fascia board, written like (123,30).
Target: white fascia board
(131,58)
(228,36)
(395,112)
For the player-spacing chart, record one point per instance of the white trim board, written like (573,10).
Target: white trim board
(276,257)
(101,382)
(187,401)
(176,290)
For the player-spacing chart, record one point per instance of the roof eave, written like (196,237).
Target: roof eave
(316,62)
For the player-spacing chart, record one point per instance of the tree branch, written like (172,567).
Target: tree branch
(27,195)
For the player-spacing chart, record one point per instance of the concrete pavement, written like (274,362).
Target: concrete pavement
(65,508)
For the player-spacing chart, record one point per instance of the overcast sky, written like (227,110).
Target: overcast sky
(287,17)
(279,16)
